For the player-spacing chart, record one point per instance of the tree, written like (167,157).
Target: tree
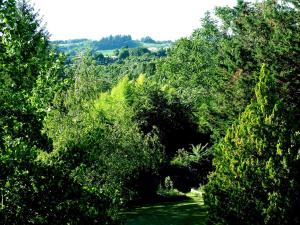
(32,192)
(256,177)
(158,108)
(215,70)
(123,54)
(25,56)
(253,31)
(114,42)
(195,68)
(98,144)
(148,39)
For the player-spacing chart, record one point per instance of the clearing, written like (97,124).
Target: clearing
(190,211)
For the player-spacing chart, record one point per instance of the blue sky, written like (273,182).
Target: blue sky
(160,19)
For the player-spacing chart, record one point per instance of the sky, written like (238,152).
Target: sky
(94,19)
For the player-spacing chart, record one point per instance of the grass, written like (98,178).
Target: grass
(190,211)
(107,52)
(154,45)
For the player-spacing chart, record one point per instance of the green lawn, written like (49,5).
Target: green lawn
(107,52)
(154,45)
(186,212)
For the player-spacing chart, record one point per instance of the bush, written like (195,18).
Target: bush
(197,162)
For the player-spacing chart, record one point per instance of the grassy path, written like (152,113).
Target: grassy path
(187,212)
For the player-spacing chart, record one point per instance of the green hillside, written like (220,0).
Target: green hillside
(107,45)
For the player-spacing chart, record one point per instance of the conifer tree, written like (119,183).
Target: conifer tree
(256,180)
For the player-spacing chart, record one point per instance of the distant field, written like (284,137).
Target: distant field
(154,45)
(78,44)
(107,52)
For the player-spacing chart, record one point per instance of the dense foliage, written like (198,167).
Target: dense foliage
(256,180)
(83,135)
(27,66)
(257,163)
(96,140)
(114,42)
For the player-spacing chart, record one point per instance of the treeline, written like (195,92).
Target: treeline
(132,54)
(72,41)
(81,139)
(105,43)
(114,42)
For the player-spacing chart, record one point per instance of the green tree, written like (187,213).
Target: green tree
(31,192)
(97,143)
(123,54)
(215,70)
(25,57)
(265,32)
(196,68)
(158,108)
(148,39)
(256,178)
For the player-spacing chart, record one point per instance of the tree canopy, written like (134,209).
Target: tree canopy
(84,135)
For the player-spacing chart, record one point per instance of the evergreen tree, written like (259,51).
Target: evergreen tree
(256,178)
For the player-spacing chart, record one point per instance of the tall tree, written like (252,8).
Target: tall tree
(27,69)
(215,69)
(25,58)
(256,180)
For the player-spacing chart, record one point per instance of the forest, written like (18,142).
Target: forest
(84,137)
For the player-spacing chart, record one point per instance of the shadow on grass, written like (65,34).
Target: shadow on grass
(189,211)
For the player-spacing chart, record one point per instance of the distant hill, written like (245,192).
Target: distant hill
(108,44)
